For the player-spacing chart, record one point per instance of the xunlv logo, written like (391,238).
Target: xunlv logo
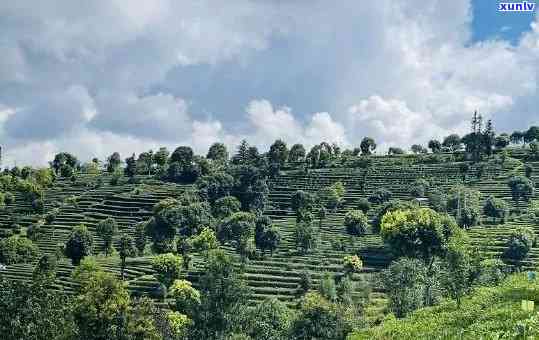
(516,6)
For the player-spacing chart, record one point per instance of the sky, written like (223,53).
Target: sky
(94,77)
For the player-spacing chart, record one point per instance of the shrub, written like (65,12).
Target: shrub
(38,205)
(519,244)
(17,249)
(168,267)
(352,264)
(356,223)
(364,205)
(9,199)
(380,196)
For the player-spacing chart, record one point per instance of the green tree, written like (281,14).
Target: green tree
(367,146)
(183,155)
(363,205)
(318,318)
(113,162)
(140,237)
(101,307)
(458,268)
(521,188)
(45,269)
(452,142)
(238,230)
(435,146)
(218,153)
(267,237)
(278,153)
(161,157)
(106,229)
(167,267)
(215,186)
(130,166)
(17,249)
(225,206)
(186,298)
(404,281)
(126,248)
(296,154)
(495,208)
(79,244)
(520,242)
(306,236)
(270,319)
(223,297)
(420,232)
(356,223)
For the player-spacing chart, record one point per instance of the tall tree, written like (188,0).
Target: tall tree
(79,244)
(367,146)
(218,152)
(113,162)
(126,248)
(106,229)
(278,153)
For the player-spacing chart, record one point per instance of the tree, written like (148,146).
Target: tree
(521,188)
(143,164)
(278,153)
(17,249)
(113,162)
(270,319)
(186,298)
(296,154)
(106,229)
(464,204)
(237,229)
(418,149)
(167,267)
(380,196)
(79,244)
(140,237)
(435,146)
(45,269)
(225,206)
(306,236)
(352,264)
(319,319)
(531,134)
(363,205)
(302,201)
(367,146)
(495,208)
(453,142)
(267,237)
(63,159)
(223,295)
(215,186)
(205,241)
(356,223)
(161,157)
(502,141)
(126,248)
(29,310)
(420,232)
(101,307)
(218,153)
(520,242)
(458,268)
(395,151)
(517,137)
(130,166)
(332,196)
(183,155)
(404,282)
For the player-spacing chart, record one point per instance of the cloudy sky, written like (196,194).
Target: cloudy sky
(93,77)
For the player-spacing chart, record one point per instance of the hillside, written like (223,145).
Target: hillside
(489,313)
(276,276)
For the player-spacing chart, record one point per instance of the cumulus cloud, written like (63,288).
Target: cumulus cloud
(132,75)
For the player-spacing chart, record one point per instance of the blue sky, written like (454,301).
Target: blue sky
(488,23)
(130,75)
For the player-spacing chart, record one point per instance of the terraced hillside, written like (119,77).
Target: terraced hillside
(91,199)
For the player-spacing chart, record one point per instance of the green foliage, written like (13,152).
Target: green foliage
(464,204)
(140,237)
(421,232)
(215,186)
(380,196)
(45,269)
(186,298)
(352,264)
(17,249)
(225,206)
(302,201)
(318,318)
(217,153)
(167,267)
(204,241)
(495,208)
(307,236)
(296,154)
(520,242)
(522,188)
(363,205)
(126,248)
(278,153)
(30,311)
(79,244)
(489,313)
(367,146)
(267,237)
(106,229)
(356,223)
(270,319)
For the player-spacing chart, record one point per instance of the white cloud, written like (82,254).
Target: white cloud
(100,77)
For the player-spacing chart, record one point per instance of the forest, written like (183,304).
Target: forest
(435,241)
